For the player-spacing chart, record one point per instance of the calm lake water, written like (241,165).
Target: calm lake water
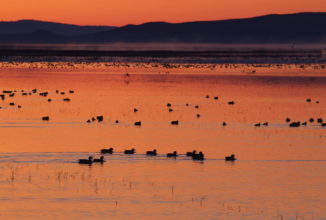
(279,174)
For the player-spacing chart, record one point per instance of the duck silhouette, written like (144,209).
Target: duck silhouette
(174,154)
(107,151)
(189,154)
(151,153)
(86,161)
(132,151)
(100,160)
(137,123)
(230,158)
(199,156)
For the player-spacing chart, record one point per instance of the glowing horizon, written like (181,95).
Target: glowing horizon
(123,12)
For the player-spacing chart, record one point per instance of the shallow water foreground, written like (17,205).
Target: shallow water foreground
(280,173)
(50,186)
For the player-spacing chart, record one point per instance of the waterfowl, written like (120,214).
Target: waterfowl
(66,100)
(189,154)
(295,124)
(11,103)
(175,122)
(100,160)
(196,106)
(323,124)
(304,123)
(230,158)
(320,120)
(86,161)
(287,120)
(199,156)
(49,100)
(308,100)
(132,151)
(99,118)
(207,97)
(265,124)
(311,120)
(137,123)
(117,121)
(224,123)
(135,110)
(151,153)
(198,115)
(174,154)
(44,94)
(170,110)
(71,91)
(46,118)
(107,151)
(231,103)
(257,125)
(168,105)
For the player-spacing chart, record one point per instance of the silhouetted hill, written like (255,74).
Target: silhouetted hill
(39,36)
(291,28)
(28,26)
(306,28)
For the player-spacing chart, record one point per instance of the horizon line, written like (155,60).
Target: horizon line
(160,21)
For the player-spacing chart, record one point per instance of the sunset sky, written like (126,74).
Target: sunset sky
(122,12)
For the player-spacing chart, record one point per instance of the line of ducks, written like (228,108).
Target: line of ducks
(194,155)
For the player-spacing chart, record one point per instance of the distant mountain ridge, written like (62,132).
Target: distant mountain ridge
(303,28)
(28,26)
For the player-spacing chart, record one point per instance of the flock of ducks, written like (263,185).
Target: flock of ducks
(100,118)
(194,155)
(13,93)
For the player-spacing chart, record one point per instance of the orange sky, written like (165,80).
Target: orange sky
(121,12)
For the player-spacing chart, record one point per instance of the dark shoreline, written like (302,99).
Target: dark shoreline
(163,53)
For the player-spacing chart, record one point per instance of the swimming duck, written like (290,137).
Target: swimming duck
(99,118)
(100,160)
(230,158)
(174,154)
(86,161)
(151,153)
(137,123)
(189,154)
(295,124)
(199,156)
(132,151)
(107,151)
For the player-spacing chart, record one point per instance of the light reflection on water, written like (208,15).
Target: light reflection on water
(279,174)
(140,187)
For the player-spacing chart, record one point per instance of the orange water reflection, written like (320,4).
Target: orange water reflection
(279,175)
